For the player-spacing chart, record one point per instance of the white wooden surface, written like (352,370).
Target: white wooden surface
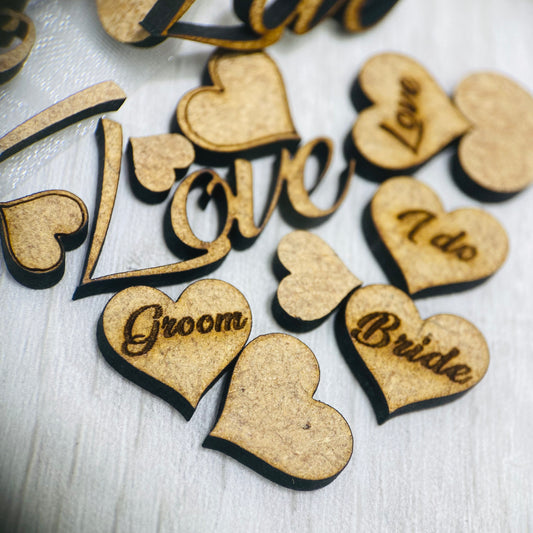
(82,449)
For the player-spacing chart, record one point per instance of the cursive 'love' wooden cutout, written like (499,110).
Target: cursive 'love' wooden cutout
(412,118)
(318,280)
(265,21)
(175,350)
(270,421)
(434,248)
(406,363)
(36,230)
(245,108)
(156,159)
(496,153)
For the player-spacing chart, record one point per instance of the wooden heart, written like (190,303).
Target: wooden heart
(156,158)
(270,421)
(35,231)
(175,350)
(318,280)
(496,153)
(247,106)
(404,362)
(432,247)
(412,118)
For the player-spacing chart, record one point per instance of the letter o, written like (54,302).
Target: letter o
(185,326)
(201,324)
(466,253)
(406,119)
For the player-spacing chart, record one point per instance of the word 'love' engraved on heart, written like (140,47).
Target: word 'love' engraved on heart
(374,329)
(450,244)
(408,127)
(170,327)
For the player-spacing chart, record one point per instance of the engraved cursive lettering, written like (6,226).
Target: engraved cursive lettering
(374,330)
(141,342)
(449,244)
(408,127)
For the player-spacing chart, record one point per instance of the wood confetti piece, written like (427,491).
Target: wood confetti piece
(318,280)
(245,108)
(202,256)
(163,20)
(175,350)
(264,24)
(406,363)
(14,24)
(359,15)
(156,159)
(496,153)
(99,98)
(412,118)
(121,20)
(434,248)
(36,230)
(270,421)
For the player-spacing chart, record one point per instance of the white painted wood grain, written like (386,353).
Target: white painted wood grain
(84,450)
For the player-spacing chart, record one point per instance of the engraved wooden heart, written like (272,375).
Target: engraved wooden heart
(404,362)
(270,421)
(247,106)
(35,231)
(318,280)
(432,247)
(156,158)
(412,118)
(496,153)
(175,350)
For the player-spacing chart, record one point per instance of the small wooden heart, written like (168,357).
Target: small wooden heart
(175,350)
(35,232)
(434,248)
(270,421)
(412,118)
(496,154)
(404,362)
(318,280)
(247,106)
(156,158)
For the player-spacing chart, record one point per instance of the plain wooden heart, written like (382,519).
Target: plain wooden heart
(175,350)
(270,421)
(412,118)
(247,106)
(35,231)
(155,159)
(404,362)
(318,280)
(430,251)
(496,153)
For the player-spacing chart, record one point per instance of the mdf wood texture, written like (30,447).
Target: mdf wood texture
(83,449)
